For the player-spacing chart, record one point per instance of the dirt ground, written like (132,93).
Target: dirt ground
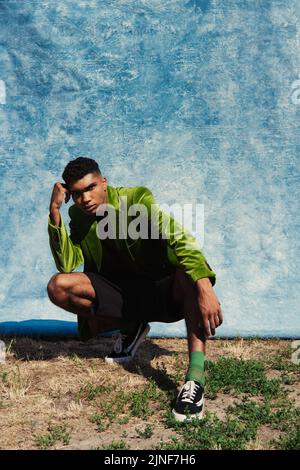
(60,394)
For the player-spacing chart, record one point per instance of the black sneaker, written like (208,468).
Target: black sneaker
(190,402)
(126,345)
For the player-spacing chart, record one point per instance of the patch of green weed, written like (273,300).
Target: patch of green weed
(56,433)
(146,433)
(289,442)
(115,445)
(98,420)
(238,375)
(90,391)
(209,433)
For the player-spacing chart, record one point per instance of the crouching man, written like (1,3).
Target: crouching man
(128,282)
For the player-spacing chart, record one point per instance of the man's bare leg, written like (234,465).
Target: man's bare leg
(74,292)
(185,293)
(190,399)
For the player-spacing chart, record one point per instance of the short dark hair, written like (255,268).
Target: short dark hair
(78,168)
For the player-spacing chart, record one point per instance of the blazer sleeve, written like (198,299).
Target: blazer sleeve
(67,253)
(180,240)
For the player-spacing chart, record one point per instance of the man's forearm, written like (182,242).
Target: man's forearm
(67,255)
(209,306)
(54,215)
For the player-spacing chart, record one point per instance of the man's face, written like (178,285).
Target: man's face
(89,192)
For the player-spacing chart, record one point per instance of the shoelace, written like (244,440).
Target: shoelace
(189,391)
(118,346)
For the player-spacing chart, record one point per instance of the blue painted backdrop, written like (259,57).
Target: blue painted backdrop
(195,99)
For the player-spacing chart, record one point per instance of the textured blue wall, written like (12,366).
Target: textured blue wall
(193,99)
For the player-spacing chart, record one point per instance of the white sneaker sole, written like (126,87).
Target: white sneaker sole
(122,360)
(181,418)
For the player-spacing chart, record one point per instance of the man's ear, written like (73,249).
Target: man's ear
(104,181)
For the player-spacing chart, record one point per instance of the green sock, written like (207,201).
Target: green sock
(196,368)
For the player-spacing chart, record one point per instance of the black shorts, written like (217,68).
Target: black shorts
(136,298)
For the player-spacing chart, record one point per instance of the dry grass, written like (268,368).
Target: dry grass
(62,394)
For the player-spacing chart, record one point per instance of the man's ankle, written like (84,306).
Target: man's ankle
(196,367)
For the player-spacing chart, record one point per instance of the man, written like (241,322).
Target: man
(128,281)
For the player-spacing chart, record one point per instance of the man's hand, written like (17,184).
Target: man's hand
(59,193)
(209,306)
